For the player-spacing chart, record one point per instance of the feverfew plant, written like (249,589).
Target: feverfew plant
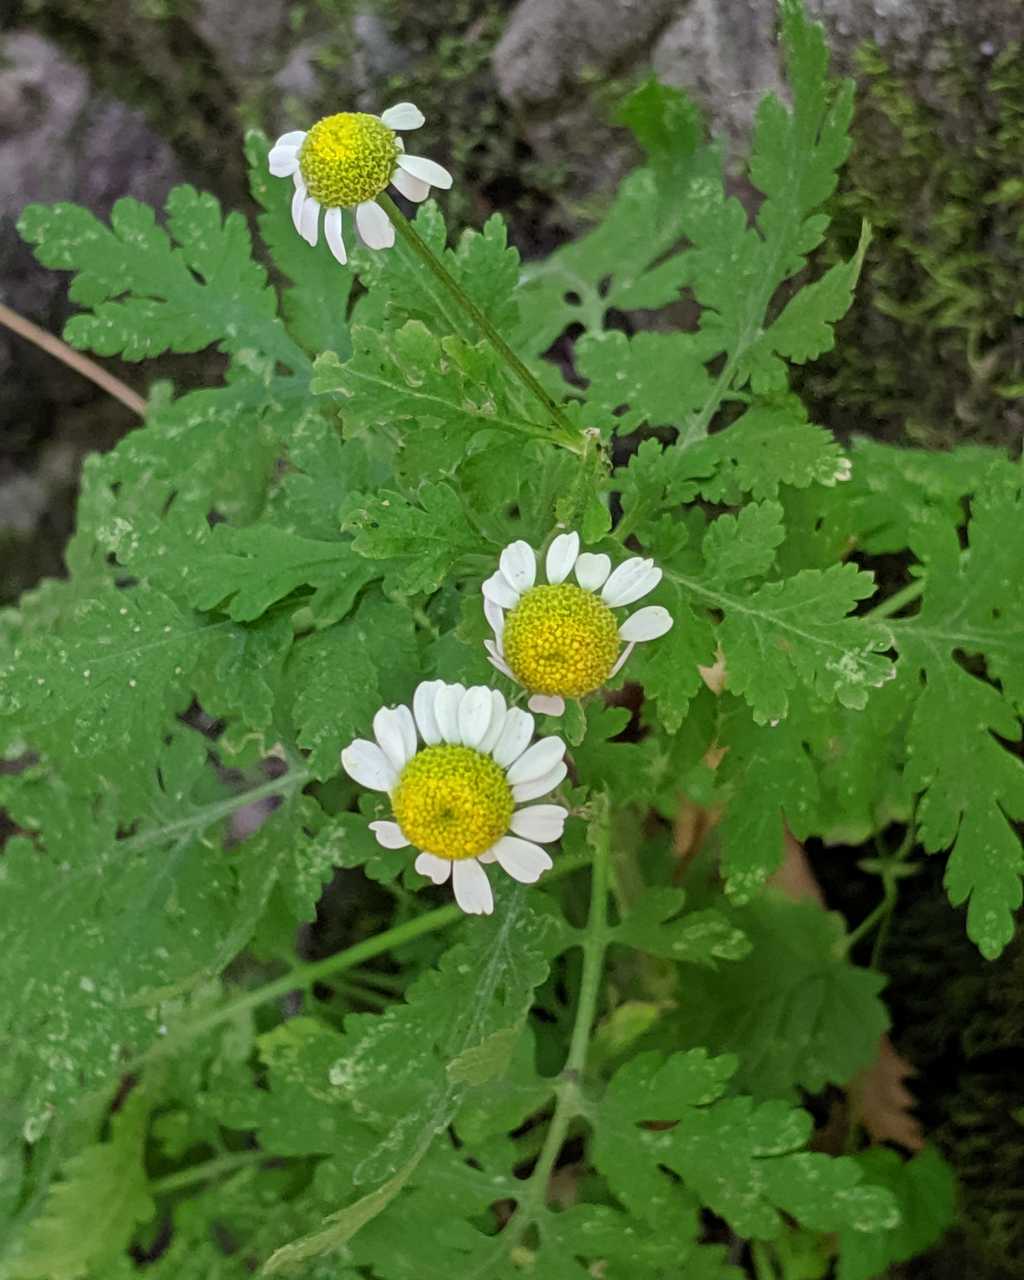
(398,521)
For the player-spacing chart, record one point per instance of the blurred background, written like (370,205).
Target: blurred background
(103,98)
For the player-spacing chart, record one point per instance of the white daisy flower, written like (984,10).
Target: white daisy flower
(344,162)
(461,799)
(562,640)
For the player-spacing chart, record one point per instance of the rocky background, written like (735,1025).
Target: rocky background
(101,98)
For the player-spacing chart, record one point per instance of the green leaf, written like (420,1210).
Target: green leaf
(668,668)
(393,1073)
(769,781)
(401,287)
(340,677)
(804,330)
(148,296)
(149,502)
(316,306)
(654,924)
(659,376)
(744,1159)
(91,1214)
(972,786)
(768,446)
(743,546)
(144,915)
(797,632)
(796,1011)
(422,541)
(924,1189)
(664,120)
(892,489)
(244,571)
(100,689)
(408,377)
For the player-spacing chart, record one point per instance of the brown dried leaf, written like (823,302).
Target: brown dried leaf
(881,1101)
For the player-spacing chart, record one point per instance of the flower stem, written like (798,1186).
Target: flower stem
(568,1097)
(204,1172)
(304,976)
(897,601)
(415,242)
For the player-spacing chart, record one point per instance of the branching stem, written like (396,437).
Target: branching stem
(899,600)
(568,1095)
(415,242)
(304,976)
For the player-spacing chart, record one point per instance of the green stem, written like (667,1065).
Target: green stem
(873,918)
(206,1171)
(304,976)
(894,603)
(412,238)
(568,1098)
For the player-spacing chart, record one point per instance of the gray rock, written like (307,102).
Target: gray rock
(724,51)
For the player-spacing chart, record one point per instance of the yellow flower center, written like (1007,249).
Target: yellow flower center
(453,801)
(347,158)
(561,640)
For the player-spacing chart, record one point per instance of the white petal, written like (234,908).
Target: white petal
(298,202)
(562,556)
(524,861)
(434,868)
(592,570)
(413,189)
(631,580)
(426,170)
(620,661)
(498,713)
(539,786)
(293,139)
(403,116)
(547,704)
(487,857)
(283,161)
(366,764)
(474,715)
(333,235)
(495,616)
(540,822)
(646,624)
(374,225)
(395,730)
(498,663)
(310,228)
(472,888)
(423,710)
(446,711)
(515,737)
(498,588)
(519,565)
(391,835)
(541,757)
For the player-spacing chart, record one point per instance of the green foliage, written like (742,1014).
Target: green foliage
(924,1189)
(236,1038)
(809,1019)
(91,1215)
(741,1158)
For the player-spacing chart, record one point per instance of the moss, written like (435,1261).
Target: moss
(931,351)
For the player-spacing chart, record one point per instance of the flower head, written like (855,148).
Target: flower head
(344,162)
(562,639)
(457,798)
